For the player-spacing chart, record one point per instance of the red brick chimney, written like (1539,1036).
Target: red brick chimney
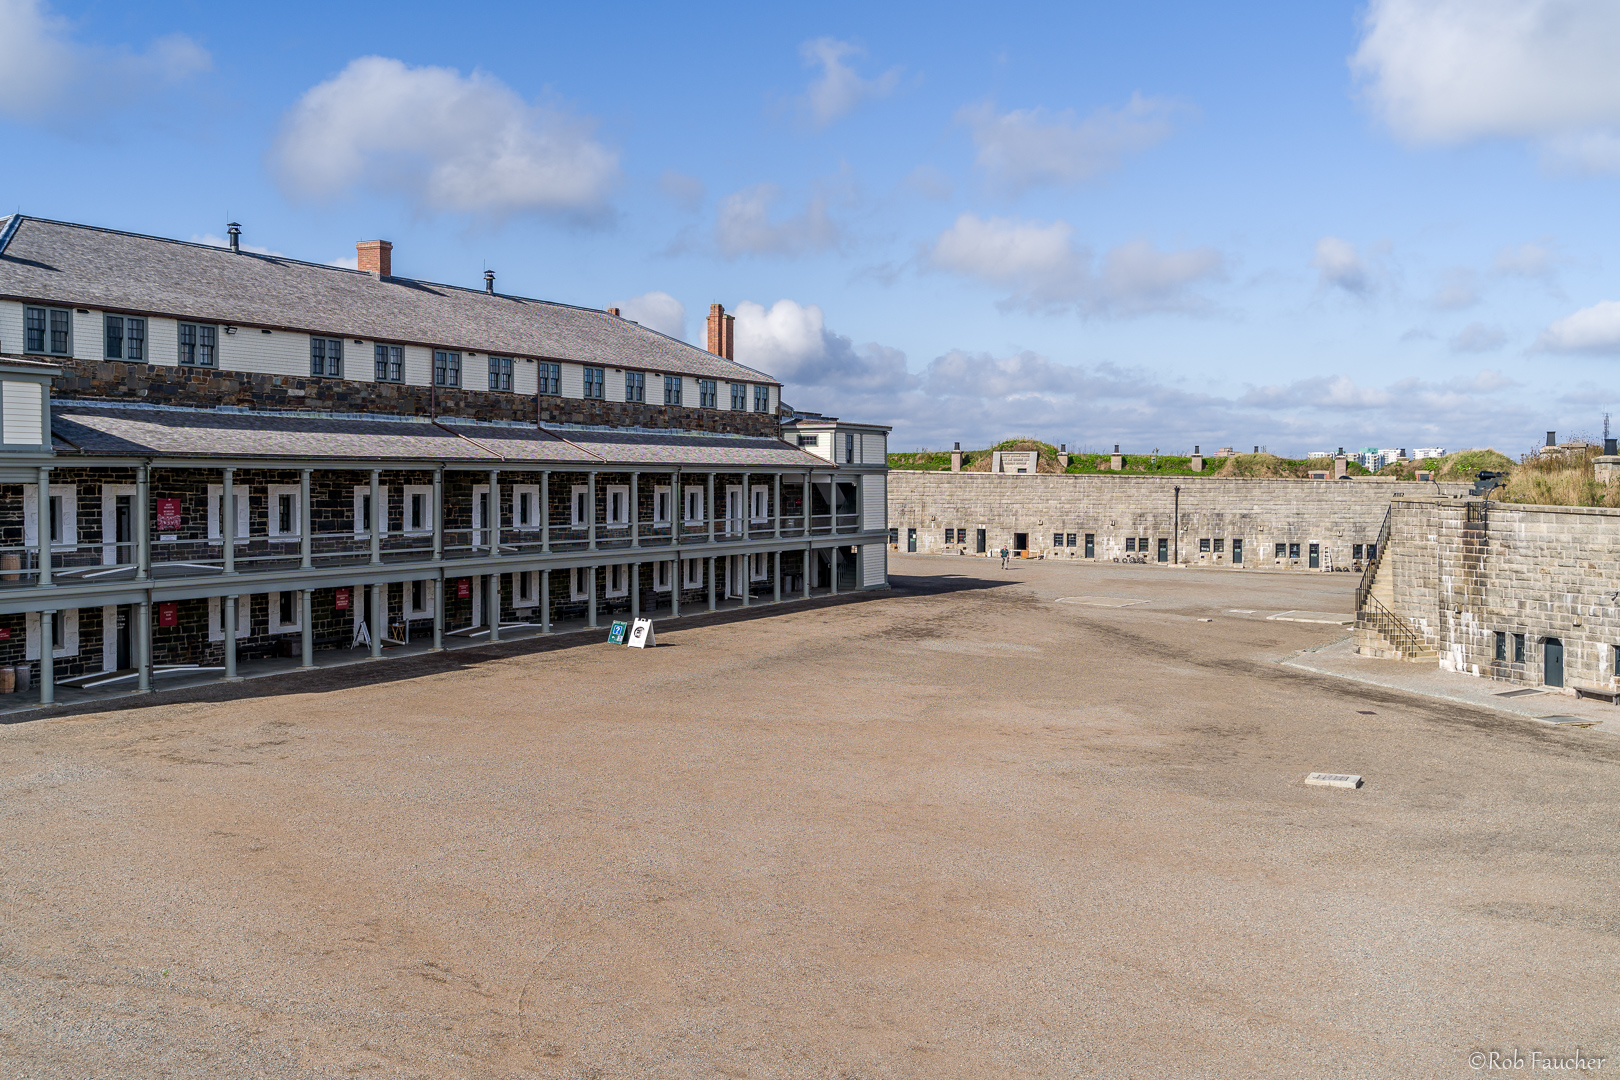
(720,331)
(612,311)
(376,257)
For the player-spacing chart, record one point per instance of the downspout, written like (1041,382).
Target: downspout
(1175,531)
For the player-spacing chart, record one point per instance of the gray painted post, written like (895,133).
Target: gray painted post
(776,506)
(438,613)
(545,513)
(809,555)
(635,510)
(143,528)
(438,515)
(675,587)
(494,605)
(710,561)
(492,514)
(227,526)
(776,577)
(379,610)
(708,508)
(590,506)
(747,576)
(379,517)
(230,633)
(42,527)
(590,591)
(747,510)
(306,616)
(306,528)
(635,590)
(47,645)
(677,510)
(807,518)
(545,601)
(832,561)
(143,646)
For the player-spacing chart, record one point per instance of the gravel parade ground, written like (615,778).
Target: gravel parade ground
(957,830)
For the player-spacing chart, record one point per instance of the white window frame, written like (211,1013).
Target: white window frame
(276,625)
(579,498)
(661,504)
(478,538)
(621,573)
(694,498)
(68,534)
(244,607)
(759,560)
(661,574)
(272,513)
(413,612)
(533,492)
(426,492)
(759,503)
(68,646)
(734,521)
(531,578)
(380,512)
(109,522)
(216,493)
(623,492)
(578,584)
(693,570)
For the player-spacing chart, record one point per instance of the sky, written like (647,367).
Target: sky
(1159,225)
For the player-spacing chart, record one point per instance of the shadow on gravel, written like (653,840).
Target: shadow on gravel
(413,667)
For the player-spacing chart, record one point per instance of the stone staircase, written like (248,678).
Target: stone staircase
(1379,631)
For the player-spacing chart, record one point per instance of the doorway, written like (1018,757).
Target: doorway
(1316,557)
(1552,662)
(1237,551)
(1020,542)
(1164,549)
(1091,545)
(978,542)
(122,630)
(911,540)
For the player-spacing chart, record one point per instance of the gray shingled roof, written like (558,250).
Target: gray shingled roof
(69,264)
(166,432)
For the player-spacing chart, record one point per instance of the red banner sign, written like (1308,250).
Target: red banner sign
(168,515)
(343,599)
(463,588)
(5,633)
(169,611)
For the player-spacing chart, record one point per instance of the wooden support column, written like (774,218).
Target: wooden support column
(379,611)
(229,613)
(635,590)
(438,521)
(545,601)
(47,638)
(710,559)
(143,646)
(227,525)
(492,603)
(635,509)
(776,577)
(306,616)
(709,510)
(306,527)
(438,612)
(776,506)
(809,557)
(590,503)
(379,517)
(590,592)
(143,525)
(545,512)
(42,532)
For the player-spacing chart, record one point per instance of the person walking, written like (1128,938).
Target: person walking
(1004,554)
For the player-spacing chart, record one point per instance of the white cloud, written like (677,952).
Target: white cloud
(444,141)
(1448,71)
(1026,147)
(47,73)
(791,341)
(657,311)
(1478,337)
(1044,268)
(838,89)
(744,225)
(1341,266)
(1594,329)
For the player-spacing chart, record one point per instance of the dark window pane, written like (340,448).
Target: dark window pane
(59,332)
(135,339)
(115,337)
(34,330)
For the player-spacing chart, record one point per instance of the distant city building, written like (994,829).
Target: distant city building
(1314,454)
(1428,452)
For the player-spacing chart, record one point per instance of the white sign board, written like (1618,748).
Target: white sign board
(1344,780)
(641,634)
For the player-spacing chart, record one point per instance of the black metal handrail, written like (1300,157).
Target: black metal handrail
(1364,589)
(1401,634)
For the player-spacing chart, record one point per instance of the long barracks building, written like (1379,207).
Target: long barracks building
(249,455)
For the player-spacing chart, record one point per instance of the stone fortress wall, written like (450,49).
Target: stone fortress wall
(1335,515)
(1466,570)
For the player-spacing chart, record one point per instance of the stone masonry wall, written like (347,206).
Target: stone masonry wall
(158,384)
(1335,515)
(1464,570)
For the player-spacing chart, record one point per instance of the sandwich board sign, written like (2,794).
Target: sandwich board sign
(617,631)
(641,634)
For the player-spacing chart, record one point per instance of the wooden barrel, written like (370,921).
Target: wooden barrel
(10,561)
(8,680)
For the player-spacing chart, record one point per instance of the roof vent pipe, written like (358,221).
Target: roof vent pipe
(234,230)
(1552,438)
(489,282)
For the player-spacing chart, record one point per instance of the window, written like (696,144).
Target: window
(580,504)
(1356,550)
(1372,552)
(694,573)
(635,386)
(418,599)
(580,581)
(1130,543)
(550,378)
(618,580)
(762,399)
(1518,648)
(950,536)
(284,523)
(1293,551)
(1071,539)
(739,397)
(219,608)
(326,357)
(1616,650)
(418,509)
(286,611)
(526,589)
(1141,544)
(48,330)
(809,440)
(894,536)
(446,368)
(1220,546)
(618,504)
(849,447)
(390,363)
(126,338)
(1501,645)
(500,373)
(61,515)
(708,397)
(1203,544)
(1057,539)
(661,576)
(216,495)
(199,345)
(672,389)
(365,514)
(694,506)
(759,504)
(593,382)
(661,498)
(1282,551)
(526,506)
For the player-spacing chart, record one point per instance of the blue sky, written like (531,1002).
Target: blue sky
(1297,225)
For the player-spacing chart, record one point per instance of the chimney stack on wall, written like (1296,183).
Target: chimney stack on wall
(720,332)
(376,257)
(956,458)
(613,311)
(1197,463)
(234,231)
